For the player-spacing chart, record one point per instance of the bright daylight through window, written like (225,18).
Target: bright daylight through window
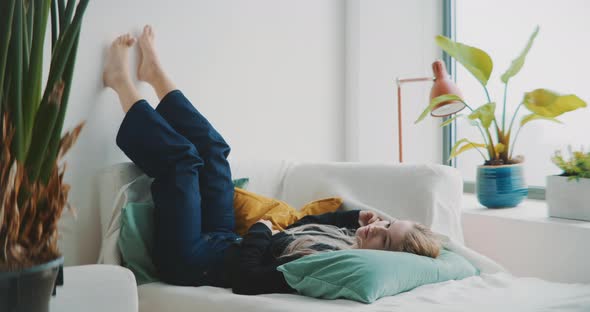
(559,60)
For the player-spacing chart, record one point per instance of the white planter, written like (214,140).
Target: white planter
(568,199)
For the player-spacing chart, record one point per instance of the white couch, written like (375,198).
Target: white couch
(430,194)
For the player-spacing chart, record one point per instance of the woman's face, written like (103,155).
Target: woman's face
(383,235)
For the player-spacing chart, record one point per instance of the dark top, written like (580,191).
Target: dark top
(252,265)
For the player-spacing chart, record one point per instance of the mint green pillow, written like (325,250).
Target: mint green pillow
(367,275)
(136,233)
(135,240)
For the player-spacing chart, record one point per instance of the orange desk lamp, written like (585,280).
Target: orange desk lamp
(442,85)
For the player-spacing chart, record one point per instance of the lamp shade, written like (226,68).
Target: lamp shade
(444,85)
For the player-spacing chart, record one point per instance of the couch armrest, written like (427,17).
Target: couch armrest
(428,193)
(96,288)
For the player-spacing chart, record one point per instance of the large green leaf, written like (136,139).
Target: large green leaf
(437,100)
(16,87)
(54,24)
(42,131)
(63,48)
(52,150)
(475,60)
(70,10)
(517,63)
(6,13)
(462,146)
(485,114)
(61,6)
(550,104)
(32,98)
(526,119)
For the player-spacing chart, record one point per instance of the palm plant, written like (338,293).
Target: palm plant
(32,192)
(543,104)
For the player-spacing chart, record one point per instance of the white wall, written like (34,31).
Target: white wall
(280,79)
(388,39)
(268,74)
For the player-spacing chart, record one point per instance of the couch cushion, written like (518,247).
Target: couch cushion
(427,193)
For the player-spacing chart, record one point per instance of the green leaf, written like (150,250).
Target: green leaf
(526,119)
(16,89)
(32,98)
(61,9)
(475,60)
(54,24)
(70,10)
(485,114)
(54,142)
(500,147)
(458,149)
(550,104)
(53,148)
(437,100)
(42,131)
(517,63)
(6,13)
(450,120)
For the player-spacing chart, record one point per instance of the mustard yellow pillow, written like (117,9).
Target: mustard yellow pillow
(250,207)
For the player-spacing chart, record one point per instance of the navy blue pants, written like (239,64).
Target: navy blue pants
(192,188)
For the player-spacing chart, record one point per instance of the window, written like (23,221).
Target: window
(559,60)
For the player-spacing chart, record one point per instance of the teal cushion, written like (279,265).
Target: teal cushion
(136,234)
(135,241)
(367,275)
(241,182)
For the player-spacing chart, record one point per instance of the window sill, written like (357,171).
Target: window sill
(530,210)
(527,242)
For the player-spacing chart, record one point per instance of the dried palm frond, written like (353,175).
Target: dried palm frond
(28,232)
(68,140)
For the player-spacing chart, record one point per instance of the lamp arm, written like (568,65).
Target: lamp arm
(399,83)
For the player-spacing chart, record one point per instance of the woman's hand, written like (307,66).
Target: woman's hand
(268,225)
(367,217)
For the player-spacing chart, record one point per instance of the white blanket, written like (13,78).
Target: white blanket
(488,292)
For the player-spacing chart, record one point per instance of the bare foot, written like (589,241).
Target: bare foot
(116,69)
(150,70)
(149,65)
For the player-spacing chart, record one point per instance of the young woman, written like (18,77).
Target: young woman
(195,243)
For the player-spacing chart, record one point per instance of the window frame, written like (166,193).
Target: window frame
(450,132)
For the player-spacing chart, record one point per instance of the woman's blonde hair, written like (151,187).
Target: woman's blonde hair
(421,240)
(315,238)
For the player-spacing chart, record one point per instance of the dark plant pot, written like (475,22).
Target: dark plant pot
(29,290)
(501,186)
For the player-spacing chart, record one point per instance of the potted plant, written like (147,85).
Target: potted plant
(32,192)
(568,194)
(500,179)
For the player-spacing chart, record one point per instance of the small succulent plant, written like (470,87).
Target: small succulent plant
(576,167)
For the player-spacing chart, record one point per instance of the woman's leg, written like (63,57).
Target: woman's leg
(217,190)
(116,71)
(180,252)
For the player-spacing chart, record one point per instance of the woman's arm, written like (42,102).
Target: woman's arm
(347,219)
(253,276)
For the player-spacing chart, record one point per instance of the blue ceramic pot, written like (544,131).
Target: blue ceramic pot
(501,186)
